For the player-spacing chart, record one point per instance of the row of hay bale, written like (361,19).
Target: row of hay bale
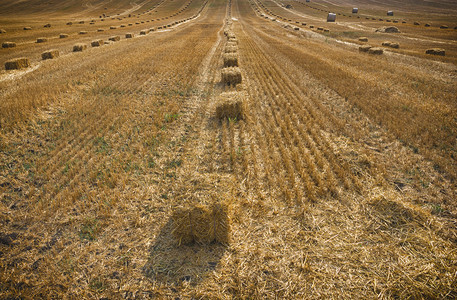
(22,62)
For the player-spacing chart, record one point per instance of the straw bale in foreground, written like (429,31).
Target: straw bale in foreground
(202,224)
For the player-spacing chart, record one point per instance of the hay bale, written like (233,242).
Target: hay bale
(69,23)
(231,76)
(143,32)
(331,17)
(386,44)
(100,30)
(83,32)
(47,26)
(363,39)
(79,47)
(130,24)
(355,10)
(388,29)
(375,51)
(436,51)
(2,31)
(364,48)
(8,45)
(152,29)
(395,21)
(230,105)
(416,23)
(50,54)
(122,26)
(444,27)
(326,30)
(230,49)
(427,25)
(112,27)
(390,13)
(201,224)
(96,43)
(18,63)
(115,38)
(311,26)
(320,28)
(28,28)
(63,35)
(41,40)
(230,60)
(394,45)
(129,35)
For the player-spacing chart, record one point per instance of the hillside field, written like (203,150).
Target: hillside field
(228,149)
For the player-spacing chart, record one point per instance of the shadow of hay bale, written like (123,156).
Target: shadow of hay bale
(170,263)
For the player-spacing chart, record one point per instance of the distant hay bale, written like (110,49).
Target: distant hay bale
(96,43)
(50,54)
(115,38)
(390,13)
(355,10)
(386,44)
(444,27)
(27,28)
(79,47)
(18,63)
(8,45)
(230,49)
(47,26)
(231,76)
(63,35)
(112,27)
(122,26)
(388,29)
(152,29)
(427,25)
(41,40)
(83,32)
(130,24)
(2,31)
(230,60)
(202,224)
(320,28)
(296,28)
(395,21)
(100,30)
(436,51)
(364,48)
(326,30)
(230,105)
(375,51)
(81,22)
(143,32)
(416,23)
(363,39)
(311,26)
(394,45)
(129,35)
(69,23)
(331,17)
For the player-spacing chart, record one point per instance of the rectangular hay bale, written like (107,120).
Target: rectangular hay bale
(50,54)
(230,105)
(115,38)
(79,47)
(201,224)
(96,43)
(18,63)
(230,60)
(231,76)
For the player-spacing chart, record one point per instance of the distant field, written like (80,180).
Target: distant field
(239,149)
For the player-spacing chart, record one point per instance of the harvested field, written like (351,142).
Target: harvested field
(226,155)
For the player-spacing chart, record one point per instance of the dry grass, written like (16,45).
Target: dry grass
(337,181)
